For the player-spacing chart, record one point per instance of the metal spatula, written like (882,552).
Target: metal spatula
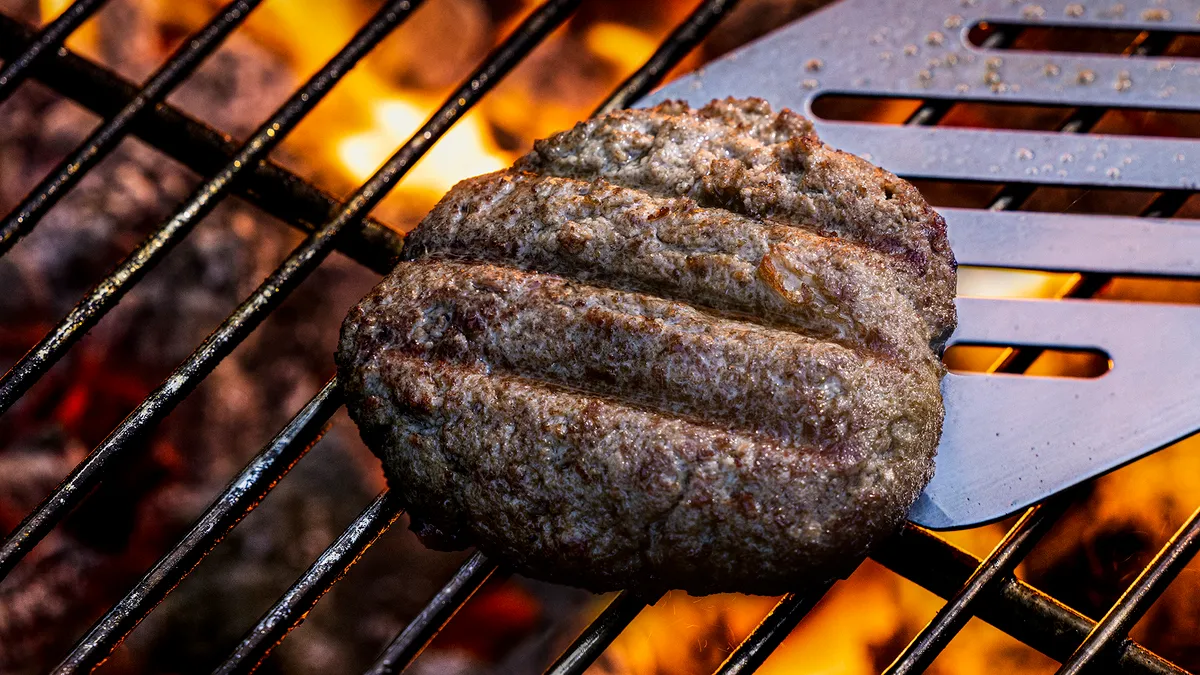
(1012,440)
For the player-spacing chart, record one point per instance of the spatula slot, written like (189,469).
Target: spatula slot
(1128,120)
(1087,197)
(1029,360)
(993,282)
(1080,39)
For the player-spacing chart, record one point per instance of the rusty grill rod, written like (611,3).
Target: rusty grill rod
(106,294)
(47,41)
(109,134)
(203,149)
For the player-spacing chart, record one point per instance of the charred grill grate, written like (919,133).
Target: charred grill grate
(983,588)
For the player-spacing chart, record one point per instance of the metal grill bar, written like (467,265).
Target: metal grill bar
(138,603)
(1003,559)
(926,646)
(592,642)
(104,295)
(17,69)
(202,201)
(1082,120)
(310,253)
(242,494)
(108,135)
(686,36)
(203,149)
(1137,599)
(1167,203)
(932,111)
(699,23)
(1013,606)
(1036,521)
(772,631)
(331,566)
(411,641)
(295,268)
(342,555)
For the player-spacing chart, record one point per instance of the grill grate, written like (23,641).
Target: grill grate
(203,149)
(409,642)
(17,69)
(106,294)
(108,135)
(976,588)
(1019,540)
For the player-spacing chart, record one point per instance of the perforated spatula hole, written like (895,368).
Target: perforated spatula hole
(1077,40)
(977,359)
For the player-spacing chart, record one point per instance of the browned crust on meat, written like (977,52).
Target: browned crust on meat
(672,348)
(680,443)
(739,156)
(610,235)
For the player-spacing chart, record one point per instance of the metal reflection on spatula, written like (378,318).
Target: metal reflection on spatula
(1012,440)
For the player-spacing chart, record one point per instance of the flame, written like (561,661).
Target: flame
(623,46)
(50,9)
(865,620)
(856,629)
(684,634)
(371,113)
(85,40)
(466,150)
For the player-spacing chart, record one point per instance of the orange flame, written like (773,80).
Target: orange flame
(85,38)
(466,150)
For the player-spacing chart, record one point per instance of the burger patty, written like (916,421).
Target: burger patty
(619,237)
(738,156)
(671,348)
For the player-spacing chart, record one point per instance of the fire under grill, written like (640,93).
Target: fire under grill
(984,588)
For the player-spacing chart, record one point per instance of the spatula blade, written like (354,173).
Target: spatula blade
(1010,440)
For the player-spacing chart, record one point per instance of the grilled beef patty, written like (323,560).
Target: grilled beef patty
(670,348)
